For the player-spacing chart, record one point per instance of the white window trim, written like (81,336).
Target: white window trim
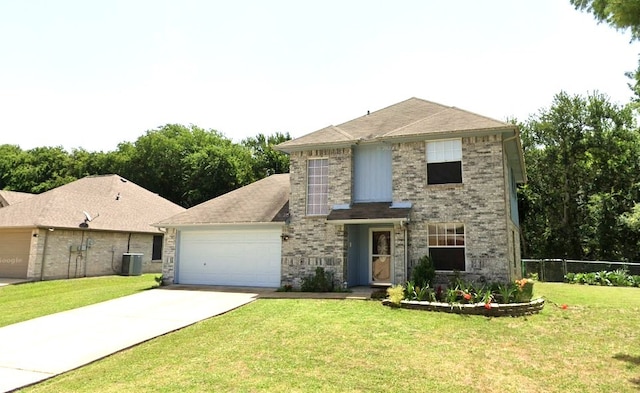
(426,153)
(307,188)
(464,247)
(459,140)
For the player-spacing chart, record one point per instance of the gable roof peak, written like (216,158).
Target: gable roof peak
(411,118)
(122,205)
(12,197)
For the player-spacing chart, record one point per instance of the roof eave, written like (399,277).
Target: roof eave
(218,224)
(446,134)
(316,146)
(72,228)
(369,221)
(18,227)
(153,229)
(513,144)
(399,138)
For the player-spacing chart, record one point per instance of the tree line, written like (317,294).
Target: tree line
(184,164)
(582,153)
(583,162)
(580,202)
(583,157)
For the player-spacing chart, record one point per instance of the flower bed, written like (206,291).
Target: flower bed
(460,297)
(486,309)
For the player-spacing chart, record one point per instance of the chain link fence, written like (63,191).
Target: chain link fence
(554,270)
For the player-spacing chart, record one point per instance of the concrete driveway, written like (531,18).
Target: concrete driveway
(41,348)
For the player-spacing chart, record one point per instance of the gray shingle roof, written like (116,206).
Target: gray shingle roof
(410,118)
(260,202)
(13,197)
(114,203)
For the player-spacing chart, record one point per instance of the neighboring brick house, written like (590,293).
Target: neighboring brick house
(49,236)
(371,196)
(367,199)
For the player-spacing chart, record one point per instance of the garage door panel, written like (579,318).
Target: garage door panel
(14,253)
(229,279)
(228,257)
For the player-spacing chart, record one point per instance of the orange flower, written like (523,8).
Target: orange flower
(467,296)
(564,306)
(487,306)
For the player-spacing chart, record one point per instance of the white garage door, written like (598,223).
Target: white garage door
(241,257)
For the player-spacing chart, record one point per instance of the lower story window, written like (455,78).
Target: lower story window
(156,252)
(447,246)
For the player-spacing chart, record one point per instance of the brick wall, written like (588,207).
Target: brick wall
(480,202)
(314,243)
(78,253)
(169,256)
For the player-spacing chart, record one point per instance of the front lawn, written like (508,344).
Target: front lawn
(31,300)
(360,346)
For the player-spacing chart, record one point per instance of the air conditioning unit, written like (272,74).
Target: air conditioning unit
(131,264)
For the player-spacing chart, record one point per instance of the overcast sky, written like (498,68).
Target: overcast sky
(92,74)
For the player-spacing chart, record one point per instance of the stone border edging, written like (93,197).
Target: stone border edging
(496,310)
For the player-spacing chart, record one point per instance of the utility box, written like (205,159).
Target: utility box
(131,264)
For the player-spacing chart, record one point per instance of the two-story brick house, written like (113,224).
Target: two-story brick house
(371,196)
(366,200)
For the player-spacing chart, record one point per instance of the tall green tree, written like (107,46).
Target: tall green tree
(38,170)
(187,165)
(583,157)
(265,159)
(86,163)
(10,155)
(622,15)
(213,171)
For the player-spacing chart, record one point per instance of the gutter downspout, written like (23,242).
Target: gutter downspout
(406,247)
(86,253)
(508,202)
(44,255)
(510,138)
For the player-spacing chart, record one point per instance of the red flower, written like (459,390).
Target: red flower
(564,306)
(467,296)
(487,306)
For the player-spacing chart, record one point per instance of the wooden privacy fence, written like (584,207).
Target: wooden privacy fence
(554,270)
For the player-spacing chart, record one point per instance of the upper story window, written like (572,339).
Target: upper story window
(444,162)
(372,179)
(317,186)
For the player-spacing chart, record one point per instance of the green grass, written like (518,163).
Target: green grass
(31,300)
(361,346)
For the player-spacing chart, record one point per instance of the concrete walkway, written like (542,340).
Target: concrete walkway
(356,293)
(41,348)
